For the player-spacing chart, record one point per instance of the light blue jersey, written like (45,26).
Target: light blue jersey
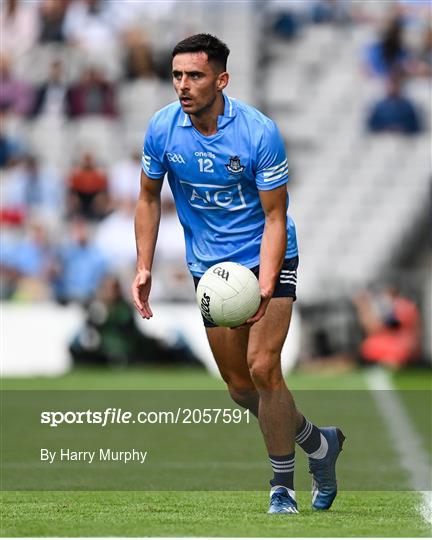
(215,180)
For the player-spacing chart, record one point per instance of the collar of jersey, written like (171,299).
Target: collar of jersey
(230,111)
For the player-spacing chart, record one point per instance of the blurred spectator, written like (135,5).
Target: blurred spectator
(88,195)
(138,62)
(33,260)
(111,336)
(87,25)
(82,266)
(286,24)
(10,147)
(395,113)
(92,95)
(12,201)
(15,96)
(18,26)
(43,188)
(124,178)
(328,11)
(51,20)
(389,54)
(287,18)
(391,323)
(29,187)
(50,96)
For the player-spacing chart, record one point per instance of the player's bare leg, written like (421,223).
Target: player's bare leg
(277,413)
(254,377)
(249,362)
(280,421)
(229,348)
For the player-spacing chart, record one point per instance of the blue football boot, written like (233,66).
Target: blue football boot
(324,485)
(282,501)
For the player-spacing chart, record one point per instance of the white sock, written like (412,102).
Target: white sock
(322,450)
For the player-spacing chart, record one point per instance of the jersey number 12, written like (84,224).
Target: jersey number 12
(205,165)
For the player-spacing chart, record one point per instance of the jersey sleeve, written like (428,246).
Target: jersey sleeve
(272,163)
(152,156)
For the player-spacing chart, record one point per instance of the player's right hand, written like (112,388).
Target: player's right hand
(140,292)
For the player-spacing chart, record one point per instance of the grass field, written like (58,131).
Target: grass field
(217,513)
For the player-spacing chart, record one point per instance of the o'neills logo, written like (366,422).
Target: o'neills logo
(205,307)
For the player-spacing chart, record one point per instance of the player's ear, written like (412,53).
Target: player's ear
(222,81)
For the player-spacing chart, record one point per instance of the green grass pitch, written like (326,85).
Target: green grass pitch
(207,513)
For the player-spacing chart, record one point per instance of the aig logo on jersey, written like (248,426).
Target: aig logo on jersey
(213,197)
(175,158)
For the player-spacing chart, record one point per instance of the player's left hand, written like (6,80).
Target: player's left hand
(265,299)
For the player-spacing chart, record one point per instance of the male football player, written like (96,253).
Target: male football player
(227,169)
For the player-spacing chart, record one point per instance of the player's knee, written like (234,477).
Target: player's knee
(265,371)
(238,383)
(241,390)
(245,394)
(229,377)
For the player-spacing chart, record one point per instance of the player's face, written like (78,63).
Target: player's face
(197,82)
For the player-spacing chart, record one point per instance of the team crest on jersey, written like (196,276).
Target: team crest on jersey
(234,166)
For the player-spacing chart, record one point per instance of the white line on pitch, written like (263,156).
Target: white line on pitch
(412,456)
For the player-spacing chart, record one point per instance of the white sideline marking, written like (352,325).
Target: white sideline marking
(412,456)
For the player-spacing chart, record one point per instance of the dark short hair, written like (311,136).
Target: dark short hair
(215,49)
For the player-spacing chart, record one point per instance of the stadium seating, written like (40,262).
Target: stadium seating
(356,198)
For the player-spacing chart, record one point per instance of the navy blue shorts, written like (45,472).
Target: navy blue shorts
(285,285)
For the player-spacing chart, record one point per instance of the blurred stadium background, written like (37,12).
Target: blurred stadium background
(348,84)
